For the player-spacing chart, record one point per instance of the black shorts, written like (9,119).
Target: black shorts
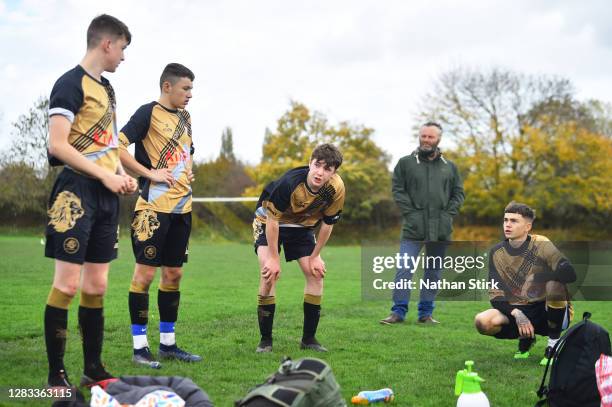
(298,242)
(537,315)
(161,239)
(83,220)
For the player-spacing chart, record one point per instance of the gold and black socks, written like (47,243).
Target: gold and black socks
(91,325)
(266,305)
(312,313)
(56,325)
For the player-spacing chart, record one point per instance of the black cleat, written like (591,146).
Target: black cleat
(312,344)
(176,353)
(59,379)
(265,346)
(97,376)
(65,391)
(145,357)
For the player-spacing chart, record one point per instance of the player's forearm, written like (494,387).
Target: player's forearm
(272,231)
(64,152)
(324,233)
(564,273)
(132,165)
(120,169)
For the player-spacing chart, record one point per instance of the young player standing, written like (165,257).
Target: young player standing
(81,234)
(162,219)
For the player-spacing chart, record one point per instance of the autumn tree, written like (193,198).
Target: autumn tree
(524,138)
(299,131)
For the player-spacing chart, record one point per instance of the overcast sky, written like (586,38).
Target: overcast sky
(368,62)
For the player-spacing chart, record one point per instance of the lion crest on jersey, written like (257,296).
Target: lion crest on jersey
(65,212)
(145,224)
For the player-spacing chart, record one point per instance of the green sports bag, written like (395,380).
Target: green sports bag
(306,382)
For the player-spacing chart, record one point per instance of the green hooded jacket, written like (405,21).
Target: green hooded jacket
(429,194)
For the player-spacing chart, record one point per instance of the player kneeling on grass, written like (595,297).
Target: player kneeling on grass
(532,276)
(162,218)
(287,212)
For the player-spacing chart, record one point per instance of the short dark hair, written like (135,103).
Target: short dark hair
(433,124)
(522,209)
(173,72)
(328,153)
(109,25)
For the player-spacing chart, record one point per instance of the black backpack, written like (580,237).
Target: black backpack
(572,376)
(306,382)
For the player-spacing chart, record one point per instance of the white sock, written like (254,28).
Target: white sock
(552,342)
(167,339)
(140,341)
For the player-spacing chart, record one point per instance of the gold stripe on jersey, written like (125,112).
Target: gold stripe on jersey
(94,130)
(307,208)
(167,144)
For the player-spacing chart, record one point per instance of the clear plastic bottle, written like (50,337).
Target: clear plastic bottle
(367,397)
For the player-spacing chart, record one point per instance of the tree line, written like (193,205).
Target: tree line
(512,136)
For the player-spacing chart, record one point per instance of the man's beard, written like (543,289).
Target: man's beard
(428,151)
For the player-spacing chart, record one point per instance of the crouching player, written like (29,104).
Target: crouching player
(532,276)
(287,212)
(162,218)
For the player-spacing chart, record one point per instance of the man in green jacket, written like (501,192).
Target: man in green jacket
(429,192)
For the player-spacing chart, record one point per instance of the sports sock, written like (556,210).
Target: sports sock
(139,316)
(266,305)
(91,324)
(555,317)
(312,313)
(56,325)
(168,298)
(552,342)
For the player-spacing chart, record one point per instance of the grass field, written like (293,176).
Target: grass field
(217,320)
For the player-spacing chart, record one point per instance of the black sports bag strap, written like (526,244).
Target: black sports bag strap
(543,390)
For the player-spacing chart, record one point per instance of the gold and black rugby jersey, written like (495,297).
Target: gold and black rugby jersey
(290,201)
(163,140)
(512,266)
(89,105)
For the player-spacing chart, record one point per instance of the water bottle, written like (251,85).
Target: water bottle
(467,387)
(367,397)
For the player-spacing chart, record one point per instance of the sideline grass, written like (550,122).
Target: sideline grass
(217,320)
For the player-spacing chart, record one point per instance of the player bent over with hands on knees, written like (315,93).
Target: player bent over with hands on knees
(287,213)
(162,218)
(83,212)
(532,276)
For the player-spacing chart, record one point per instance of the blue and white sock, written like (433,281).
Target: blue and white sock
(139,336)
(166,334)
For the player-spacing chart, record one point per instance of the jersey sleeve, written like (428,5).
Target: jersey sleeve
(332,213)
(559,267)
(66,97)
(279,199)
(137,127)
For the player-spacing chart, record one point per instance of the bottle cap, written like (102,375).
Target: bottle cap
(467,381)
